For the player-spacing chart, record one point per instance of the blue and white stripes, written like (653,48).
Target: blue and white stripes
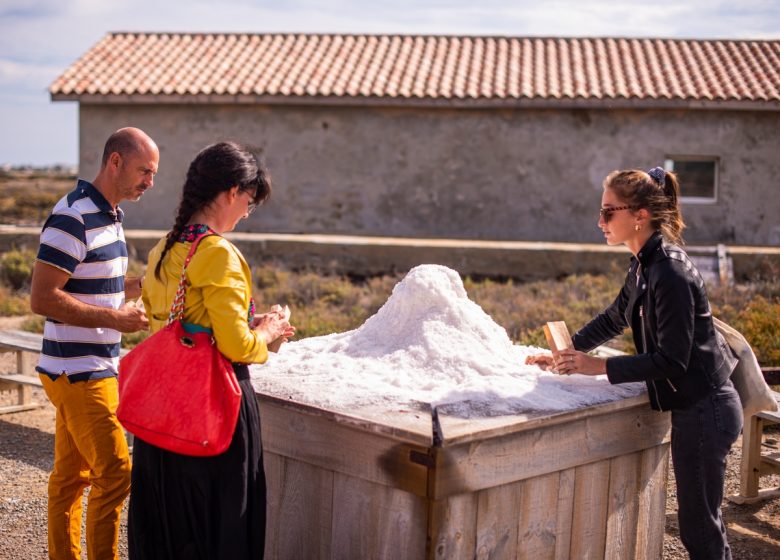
(83,236)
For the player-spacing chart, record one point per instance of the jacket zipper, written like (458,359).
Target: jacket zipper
(644,349)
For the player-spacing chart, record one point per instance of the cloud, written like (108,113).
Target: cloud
(27,76)
(29,9)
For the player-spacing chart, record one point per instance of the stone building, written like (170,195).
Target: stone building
(504,138)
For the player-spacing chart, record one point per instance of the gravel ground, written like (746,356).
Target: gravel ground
(26,454)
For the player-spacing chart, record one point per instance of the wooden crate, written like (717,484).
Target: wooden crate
(589,483)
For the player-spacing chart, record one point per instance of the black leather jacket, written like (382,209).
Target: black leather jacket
(680,355)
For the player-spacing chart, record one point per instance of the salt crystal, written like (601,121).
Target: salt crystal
(428,344)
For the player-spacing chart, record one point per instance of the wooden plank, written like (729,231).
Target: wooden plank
(565,514)
(769,464)
(497,511)
(457,430)
(589,523)
(411,423)
(452,529)
(374,521)
(299,509)
(765,494)
(22,385)
(537,518)
(623,506)
(751,456)
(772,416)
(13,340)
(399,425)
(26,362)
(273,466)
(16,378)
(651,518)
(324,442)
(512,457)
(8,409)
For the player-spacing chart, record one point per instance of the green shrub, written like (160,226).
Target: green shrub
(320,304)
(16,268)
(12,303)
(131,340)
(523,309)
(34,323)
(759,322)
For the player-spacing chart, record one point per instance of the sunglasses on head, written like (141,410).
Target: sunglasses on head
(606,213)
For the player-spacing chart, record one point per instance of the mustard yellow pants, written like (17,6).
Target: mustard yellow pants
(89,450)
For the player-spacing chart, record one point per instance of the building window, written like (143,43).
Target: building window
(698,177)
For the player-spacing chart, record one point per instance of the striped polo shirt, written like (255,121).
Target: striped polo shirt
(83,236)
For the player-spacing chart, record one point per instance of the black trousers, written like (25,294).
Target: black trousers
(702,435)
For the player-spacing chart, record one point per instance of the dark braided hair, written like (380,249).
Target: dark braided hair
(217,168)
(659,195)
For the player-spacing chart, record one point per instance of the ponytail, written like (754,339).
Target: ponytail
(656,190)
(672,225)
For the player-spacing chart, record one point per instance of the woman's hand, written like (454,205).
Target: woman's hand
(571,361)
(274,326)
(544,361)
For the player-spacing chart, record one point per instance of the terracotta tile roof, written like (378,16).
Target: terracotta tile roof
(438,70)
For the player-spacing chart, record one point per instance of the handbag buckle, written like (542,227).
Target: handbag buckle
(187,341)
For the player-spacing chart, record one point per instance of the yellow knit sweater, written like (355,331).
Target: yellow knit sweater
(218,295)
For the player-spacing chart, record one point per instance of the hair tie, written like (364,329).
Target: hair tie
(658,175)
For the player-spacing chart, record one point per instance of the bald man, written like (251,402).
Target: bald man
(79,285)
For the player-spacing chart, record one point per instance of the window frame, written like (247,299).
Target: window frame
(669,161)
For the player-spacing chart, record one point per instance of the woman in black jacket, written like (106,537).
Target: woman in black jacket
(684,361)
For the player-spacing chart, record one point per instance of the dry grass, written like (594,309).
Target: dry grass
(322,304)
(26,197)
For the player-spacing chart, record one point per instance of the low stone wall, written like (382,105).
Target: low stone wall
(376,255)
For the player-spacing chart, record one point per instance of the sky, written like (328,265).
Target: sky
(39,39)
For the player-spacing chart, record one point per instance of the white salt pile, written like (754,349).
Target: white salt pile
(429,343)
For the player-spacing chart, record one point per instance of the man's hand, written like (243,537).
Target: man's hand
(130,318)
(133,286)
(48,298)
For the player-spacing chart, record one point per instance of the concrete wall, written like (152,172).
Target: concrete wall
(470,174)
(368,256)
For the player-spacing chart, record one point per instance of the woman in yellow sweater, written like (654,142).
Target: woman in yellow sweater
(209,507)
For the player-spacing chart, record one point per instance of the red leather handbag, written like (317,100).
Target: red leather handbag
(176,390)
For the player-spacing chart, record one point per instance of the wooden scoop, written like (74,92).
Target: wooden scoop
(558,337)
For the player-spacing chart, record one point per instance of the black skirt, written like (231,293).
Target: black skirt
(184,507)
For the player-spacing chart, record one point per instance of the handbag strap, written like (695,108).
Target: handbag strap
(177,307)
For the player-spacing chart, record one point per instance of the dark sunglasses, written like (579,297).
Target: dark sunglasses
(606,213)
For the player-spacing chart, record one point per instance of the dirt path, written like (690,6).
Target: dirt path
(27,440)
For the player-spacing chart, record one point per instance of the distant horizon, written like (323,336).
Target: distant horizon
(38,167)
(39,40)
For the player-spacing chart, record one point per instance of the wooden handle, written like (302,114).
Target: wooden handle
(558,337)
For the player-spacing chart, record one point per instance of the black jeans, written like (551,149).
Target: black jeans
(702,435)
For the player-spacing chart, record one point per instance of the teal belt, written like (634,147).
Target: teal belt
(192,328)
